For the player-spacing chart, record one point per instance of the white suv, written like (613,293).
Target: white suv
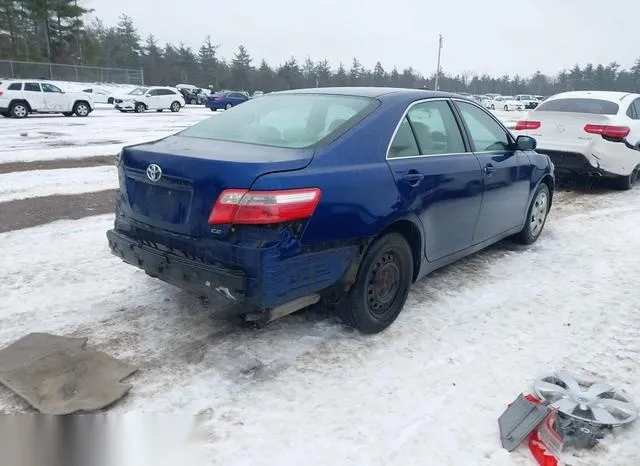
(156,98)
(20,98)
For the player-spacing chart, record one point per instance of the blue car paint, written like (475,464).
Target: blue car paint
(225,98)
(456,210)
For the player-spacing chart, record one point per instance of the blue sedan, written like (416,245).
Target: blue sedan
(344,196)
(225,100)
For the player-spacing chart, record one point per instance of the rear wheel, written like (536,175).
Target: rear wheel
(493,107)
(175,107)
(213,109)
(67,114)
(625,183)
(19,110)
(536,216)
(377,297)
(228,106)
(506,108)
(140,107)
(160,110)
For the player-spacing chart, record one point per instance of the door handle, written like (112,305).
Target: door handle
(489,169)
(413,177)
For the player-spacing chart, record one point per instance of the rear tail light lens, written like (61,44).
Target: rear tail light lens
(617,132)
(243,207)
(525,124)
(217,99)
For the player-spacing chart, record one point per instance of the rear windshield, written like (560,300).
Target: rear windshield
(592,106)
(285,120)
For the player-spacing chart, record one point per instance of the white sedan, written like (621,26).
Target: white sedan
(99,95)
(506,103)
(589,133)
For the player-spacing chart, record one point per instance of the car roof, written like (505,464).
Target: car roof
(611,96)
(373,92)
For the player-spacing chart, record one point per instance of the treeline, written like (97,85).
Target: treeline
(55,31)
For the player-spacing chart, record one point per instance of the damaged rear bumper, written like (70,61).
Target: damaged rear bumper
(197,277)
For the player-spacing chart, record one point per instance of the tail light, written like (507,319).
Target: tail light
(525,124)
(217,99)
(616,132)
(243,207)
(1,93)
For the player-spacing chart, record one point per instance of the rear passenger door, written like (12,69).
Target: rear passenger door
(34,96)
(506,172)
(438,179)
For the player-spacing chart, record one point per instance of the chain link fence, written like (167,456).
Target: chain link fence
(11,69)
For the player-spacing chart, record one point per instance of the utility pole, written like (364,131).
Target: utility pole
(439,52)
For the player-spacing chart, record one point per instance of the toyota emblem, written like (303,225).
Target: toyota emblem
(154,172)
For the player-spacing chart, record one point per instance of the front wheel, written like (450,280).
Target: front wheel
(493,107)
(81,109)
(175,107)
(228,106)
(67,114)
(536,216)
(140,107)
(213,109)
(506,108)
(382,285)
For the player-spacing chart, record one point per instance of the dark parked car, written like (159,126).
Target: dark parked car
(345,195)
(225,100)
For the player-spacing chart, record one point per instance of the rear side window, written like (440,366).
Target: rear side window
(285,120)
(404,143)
(435,128)
(33,87)
(580,105)
(15,86)
(634,110)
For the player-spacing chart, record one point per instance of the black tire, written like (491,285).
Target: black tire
(81,109)
(67,114)
(175,106)
(19,110)
(493,107)
(122,111)
(228,106)
(140,107)
(625,183)
(213,109)
(160,110)
(6,114)
(110,100)
(506,108)
(529,233)
(361,308)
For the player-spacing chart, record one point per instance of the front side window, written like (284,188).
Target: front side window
(435,128)
(46,87)
(284,120)
(32,87)
(486,134)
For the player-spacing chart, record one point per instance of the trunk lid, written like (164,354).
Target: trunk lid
(193,174)
(563,131)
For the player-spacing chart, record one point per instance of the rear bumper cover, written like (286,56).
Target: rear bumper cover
(201,278)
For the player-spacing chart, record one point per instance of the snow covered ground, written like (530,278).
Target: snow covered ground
(104,132)
(306,390)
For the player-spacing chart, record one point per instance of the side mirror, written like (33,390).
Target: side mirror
(526,143)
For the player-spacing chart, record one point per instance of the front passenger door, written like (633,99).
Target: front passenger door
(506,173)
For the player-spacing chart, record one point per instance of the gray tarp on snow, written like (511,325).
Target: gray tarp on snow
(56,375)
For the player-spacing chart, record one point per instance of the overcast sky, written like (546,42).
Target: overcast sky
(493,36)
